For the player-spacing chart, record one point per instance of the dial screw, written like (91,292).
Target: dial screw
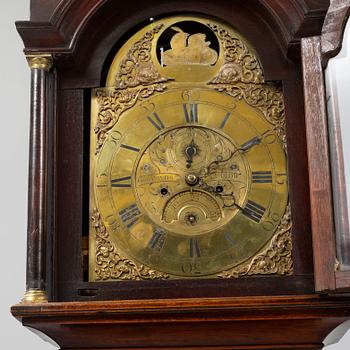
(191,179)
(192,219)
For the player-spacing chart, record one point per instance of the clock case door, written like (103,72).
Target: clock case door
(83,39)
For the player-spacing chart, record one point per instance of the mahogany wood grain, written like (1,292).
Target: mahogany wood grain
(319,171)
(231,323)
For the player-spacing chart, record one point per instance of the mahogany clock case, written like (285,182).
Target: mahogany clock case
(83,38)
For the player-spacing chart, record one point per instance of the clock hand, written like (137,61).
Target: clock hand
(251,143)
(244,148)
(190,152)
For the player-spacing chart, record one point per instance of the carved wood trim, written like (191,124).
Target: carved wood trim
(291,20)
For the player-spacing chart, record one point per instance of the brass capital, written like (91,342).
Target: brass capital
(44,62)
(34,296)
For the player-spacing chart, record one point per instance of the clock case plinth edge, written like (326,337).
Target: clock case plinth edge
(186,323)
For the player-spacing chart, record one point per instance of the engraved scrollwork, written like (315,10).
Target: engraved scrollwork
(275,259)
(113,102)
(267,98)
(240,64)
(110,264)
(137,67)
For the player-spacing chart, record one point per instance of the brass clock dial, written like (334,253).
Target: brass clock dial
(192,186)
(188,166)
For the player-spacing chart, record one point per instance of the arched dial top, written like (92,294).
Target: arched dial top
(191,182)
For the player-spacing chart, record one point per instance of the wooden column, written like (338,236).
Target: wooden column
(37,195)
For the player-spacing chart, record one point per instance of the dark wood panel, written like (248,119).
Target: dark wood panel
(69,186)
(298,174)
(81,291)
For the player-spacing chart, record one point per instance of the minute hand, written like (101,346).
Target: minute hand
(245,147)
(251,143)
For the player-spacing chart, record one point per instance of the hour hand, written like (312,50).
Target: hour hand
(190,152)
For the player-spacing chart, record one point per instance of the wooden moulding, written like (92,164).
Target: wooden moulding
(231,323)
(72,29)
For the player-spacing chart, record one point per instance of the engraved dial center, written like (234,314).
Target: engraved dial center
(197,201)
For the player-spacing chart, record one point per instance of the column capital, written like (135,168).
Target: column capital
(43,61)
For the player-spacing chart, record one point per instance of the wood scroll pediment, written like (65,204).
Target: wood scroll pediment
(77,32)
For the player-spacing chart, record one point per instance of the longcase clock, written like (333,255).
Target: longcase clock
(174,197)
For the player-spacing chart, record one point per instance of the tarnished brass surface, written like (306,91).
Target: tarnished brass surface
(188,160)
(44,62)
(34,296)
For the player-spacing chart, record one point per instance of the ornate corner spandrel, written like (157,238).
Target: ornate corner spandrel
(241,76)
(110,264)
(137,68)
(274,259)
(241,64)
(113,102)
(267,98)
(136,80)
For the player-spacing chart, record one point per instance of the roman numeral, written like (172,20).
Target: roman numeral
(191,113)
(121,182)
(227,116)
(194,248)
(262,177)
(156,121)
(254,211)
(130,148)
(157,241)
(130,215)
